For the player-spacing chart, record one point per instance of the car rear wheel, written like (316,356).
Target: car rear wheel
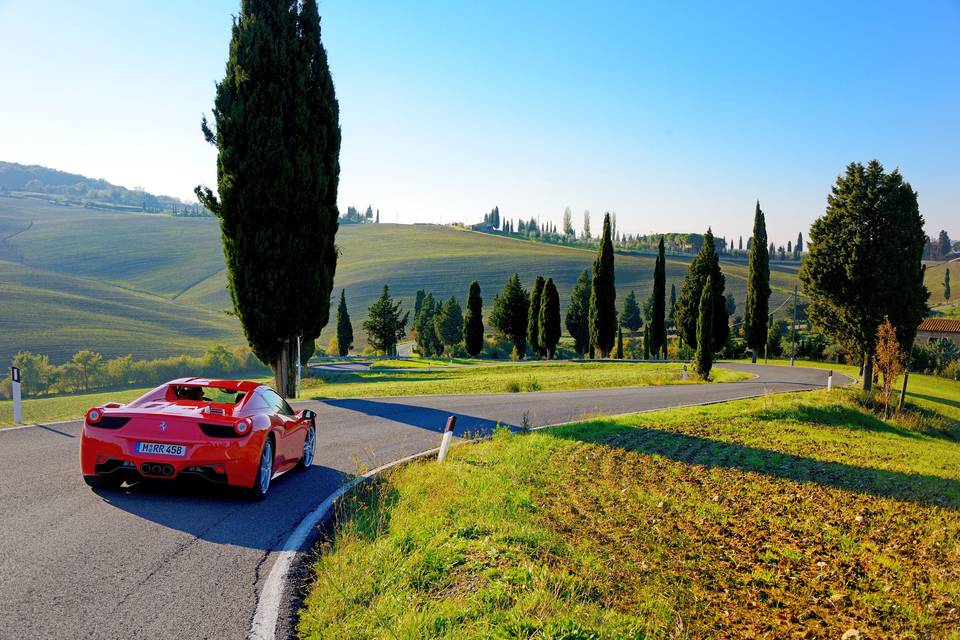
(264,472)
(309,447)
(103,482)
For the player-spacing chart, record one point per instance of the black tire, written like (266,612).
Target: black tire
(111,481)
(306,461)
(261,487)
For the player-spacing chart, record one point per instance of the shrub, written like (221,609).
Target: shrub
(512,387)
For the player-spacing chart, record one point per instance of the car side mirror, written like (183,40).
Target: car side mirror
(307,414)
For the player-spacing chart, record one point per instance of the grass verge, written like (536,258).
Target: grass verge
(507,378)
(797,514)
(65,407)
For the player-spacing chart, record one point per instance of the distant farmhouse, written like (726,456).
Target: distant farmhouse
(932,328)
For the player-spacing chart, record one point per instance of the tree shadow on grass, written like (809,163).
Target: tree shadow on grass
(839,416)
(909,487)
(934,399)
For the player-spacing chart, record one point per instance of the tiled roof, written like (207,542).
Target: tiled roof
(940,325)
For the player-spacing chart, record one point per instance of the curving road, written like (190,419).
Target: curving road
(155,562)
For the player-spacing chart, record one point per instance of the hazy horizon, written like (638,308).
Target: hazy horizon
(674,118)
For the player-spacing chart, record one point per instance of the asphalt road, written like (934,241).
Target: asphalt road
(162,562)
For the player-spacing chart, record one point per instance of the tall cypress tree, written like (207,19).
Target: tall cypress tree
(658,332)
(549,319)
(603,296)
(448,325)
(473,321)
(510,314)
(673,303)
(533,321)
(688,302)
(278,168)
(428,344)
(578,314)
(344,327)
(703,356)
(757,312)
(619,342)
(946,284)
(418,304)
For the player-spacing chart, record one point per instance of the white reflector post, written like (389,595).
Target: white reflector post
(447,437)
(15,389)
(830,380)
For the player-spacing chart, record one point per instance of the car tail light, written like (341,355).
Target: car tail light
(243,426)
(94,415)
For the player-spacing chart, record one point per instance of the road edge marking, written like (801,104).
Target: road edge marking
(264,624)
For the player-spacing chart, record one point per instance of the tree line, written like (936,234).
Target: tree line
(88,370)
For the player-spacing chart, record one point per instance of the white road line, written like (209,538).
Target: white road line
(264,626)
(39,424)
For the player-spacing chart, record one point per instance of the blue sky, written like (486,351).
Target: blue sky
(674,115)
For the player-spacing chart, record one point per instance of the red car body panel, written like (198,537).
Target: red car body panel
(206,429)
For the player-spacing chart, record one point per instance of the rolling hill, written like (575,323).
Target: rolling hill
(153,284)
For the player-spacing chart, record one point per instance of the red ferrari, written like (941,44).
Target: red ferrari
(232,432)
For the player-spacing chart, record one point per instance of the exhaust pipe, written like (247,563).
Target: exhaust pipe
(156,469)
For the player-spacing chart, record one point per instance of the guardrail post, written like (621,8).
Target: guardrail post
(684,373)
(15,390)
(830,380)
(447,437)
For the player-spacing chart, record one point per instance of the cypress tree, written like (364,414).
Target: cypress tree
(424,328)
(703,356)
(688,302)
(533,320)
(344,327)
(577,320)
(863,261)
(510,314)
(673,304)
(385,323)
(418,304)
(549,319)
(603,296)
(449,324)
(620,342)
(658,332)
(473,322)
(631,313)
(277,134)
(946,284)
(756,314)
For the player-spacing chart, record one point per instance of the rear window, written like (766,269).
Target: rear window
(206,394)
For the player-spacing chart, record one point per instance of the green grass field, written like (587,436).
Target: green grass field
(151,284)
(794,515)
(66,407)
(505,378)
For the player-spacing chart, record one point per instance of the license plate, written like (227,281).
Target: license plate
(156,448)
